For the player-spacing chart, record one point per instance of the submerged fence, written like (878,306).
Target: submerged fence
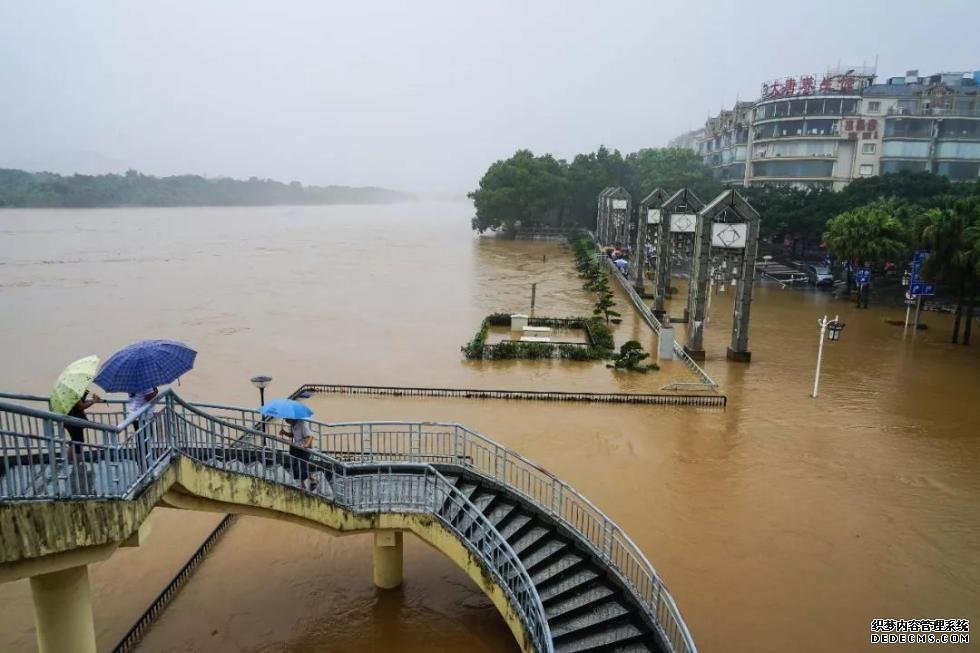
(666,399)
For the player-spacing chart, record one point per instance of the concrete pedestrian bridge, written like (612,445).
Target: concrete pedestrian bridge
(563,576)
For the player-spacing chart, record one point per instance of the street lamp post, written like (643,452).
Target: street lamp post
(261,382)
(832,328)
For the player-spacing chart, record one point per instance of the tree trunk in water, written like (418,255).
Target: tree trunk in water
(959,313)
(969,320)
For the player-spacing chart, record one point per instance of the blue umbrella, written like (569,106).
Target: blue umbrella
(286,409)
(144,365)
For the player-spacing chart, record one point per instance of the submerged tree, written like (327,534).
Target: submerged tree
(631,357)
(604,306)
(522,189)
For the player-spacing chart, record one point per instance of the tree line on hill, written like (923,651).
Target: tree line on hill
(873,221)
(19,188)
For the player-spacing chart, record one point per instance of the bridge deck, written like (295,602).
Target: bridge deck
(576,581)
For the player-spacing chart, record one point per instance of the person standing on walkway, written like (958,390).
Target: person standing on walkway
(77,433)
(141,425)
(139,399)
(301,439)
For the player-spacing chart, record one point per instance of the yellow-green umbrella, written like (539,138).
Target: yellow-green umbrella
(72,383)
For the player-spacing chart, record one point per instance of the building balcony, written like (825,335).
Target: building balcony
(933,112)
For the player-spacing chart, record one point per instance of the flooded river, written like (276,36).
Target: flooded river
(779,523)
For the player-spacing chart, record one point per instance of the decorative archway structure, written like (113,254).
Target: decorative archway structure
(678,219)
(729,222)
(613,219)
(647,216)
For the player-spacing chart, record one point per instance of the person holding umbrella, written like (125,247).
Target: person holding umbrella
(300,437)
(139,399)
(138,370)
(77,433)
(70,397)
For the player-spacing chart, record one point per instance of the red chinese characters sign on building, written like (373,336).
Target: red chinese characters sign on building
(809,84)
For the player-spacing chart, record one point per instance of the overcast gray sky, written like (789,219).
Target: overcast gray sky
(415,95)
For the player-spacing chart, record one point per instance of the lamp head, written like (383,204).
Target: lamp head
(261,381)
(834,330)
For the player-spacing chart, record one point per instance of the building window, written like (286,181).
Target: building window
(874,107)
(867,170)
(868,148)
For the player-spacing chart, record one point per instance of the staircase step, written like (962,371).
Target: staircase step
(467,488)
(512,534)
(601,614)
(548,551)
(514,524)
(558,589)
(579,602)
(530,537)
(483,499)
(567,562)
(499,512)
(622,637)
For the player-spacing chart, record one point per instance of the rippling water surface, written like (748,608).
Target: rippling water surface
(780,523)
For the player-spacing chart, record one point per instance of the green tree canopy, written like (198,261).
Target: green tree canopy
(671,169)
(522,189)
(872,234)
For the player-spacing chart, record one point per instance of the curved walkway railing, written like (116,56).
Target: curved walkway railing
(38,464)
(450,443)
(368,467)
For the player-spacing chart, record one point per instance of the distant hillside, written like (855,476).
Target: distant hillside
(44,189)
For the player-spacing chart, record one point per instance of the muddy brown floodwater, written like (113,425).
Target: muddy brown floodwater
(780,523)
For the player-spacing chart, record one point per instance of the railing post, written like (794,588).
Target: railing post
(53,485)
(459,444)
(606,538)
(171,427)
(555,497)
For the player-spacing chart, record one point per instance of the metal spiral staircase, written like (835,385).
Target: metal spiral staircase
(575,579)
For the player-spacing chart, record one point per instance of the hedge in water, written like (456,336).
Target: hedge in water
(600,339)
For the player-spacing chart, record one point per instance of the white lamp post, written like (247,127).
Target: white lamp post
(833,330)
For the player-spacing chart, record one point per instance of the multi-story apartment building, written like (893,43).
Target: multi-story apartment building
(828,130)
(930,123)
(724,143)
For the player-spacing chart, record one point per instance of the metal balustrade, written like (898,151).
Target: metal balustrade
(361,466)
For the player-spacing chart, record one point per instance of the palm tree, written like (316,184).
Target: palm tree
(871,235)
(952,233)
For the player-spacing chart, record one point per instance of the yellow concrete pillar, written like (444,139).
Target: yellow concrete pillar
(63,611)
(387,559)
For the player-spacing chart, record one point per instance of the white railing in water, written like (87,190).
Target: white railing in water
(706,382)
(363,463)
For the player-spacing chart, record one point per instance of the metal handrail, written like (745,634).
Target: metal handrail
(188,430)
(555,497)
(389,444)
(656,325)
